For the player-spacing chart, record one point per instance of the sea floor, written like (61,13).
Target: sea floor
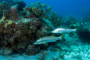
(70,49)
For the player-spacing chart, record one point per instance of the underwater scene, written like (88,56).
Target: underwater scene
(44,30)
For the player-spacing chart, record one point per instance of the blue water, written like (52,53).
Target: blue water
(75,8)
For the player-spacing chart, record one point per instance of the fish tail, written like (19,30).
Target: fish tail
(74,30)
(62,36)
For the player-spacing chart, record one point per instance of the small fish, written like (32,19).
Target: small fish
(63,30)
(47,39)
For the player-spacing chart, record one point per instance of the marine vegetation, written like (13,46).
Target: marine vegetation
(21,26)
(55,19)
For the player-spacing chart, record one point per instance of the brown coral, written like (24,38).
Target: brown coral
(14,13)
(18,35)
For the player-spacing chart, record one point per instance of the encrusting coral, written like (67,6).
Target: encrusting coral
(37,10)
(14,13)
(18,32)
(19,36)
(12,9)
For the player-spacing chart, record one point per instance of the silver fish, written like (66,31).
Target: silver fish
(63,30)
(47,39)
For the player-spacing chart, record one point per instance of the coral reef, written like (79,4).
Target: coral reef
(21,26)
(3,6)
(84,31)
(14,13)
(20,5)
(69,20)
(19,36)
(55,20)
(19,32)
(12,9)
(37,10)
(28,30)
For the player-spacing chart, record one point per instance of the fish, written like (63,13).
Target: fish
(63,30)
(47,39)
